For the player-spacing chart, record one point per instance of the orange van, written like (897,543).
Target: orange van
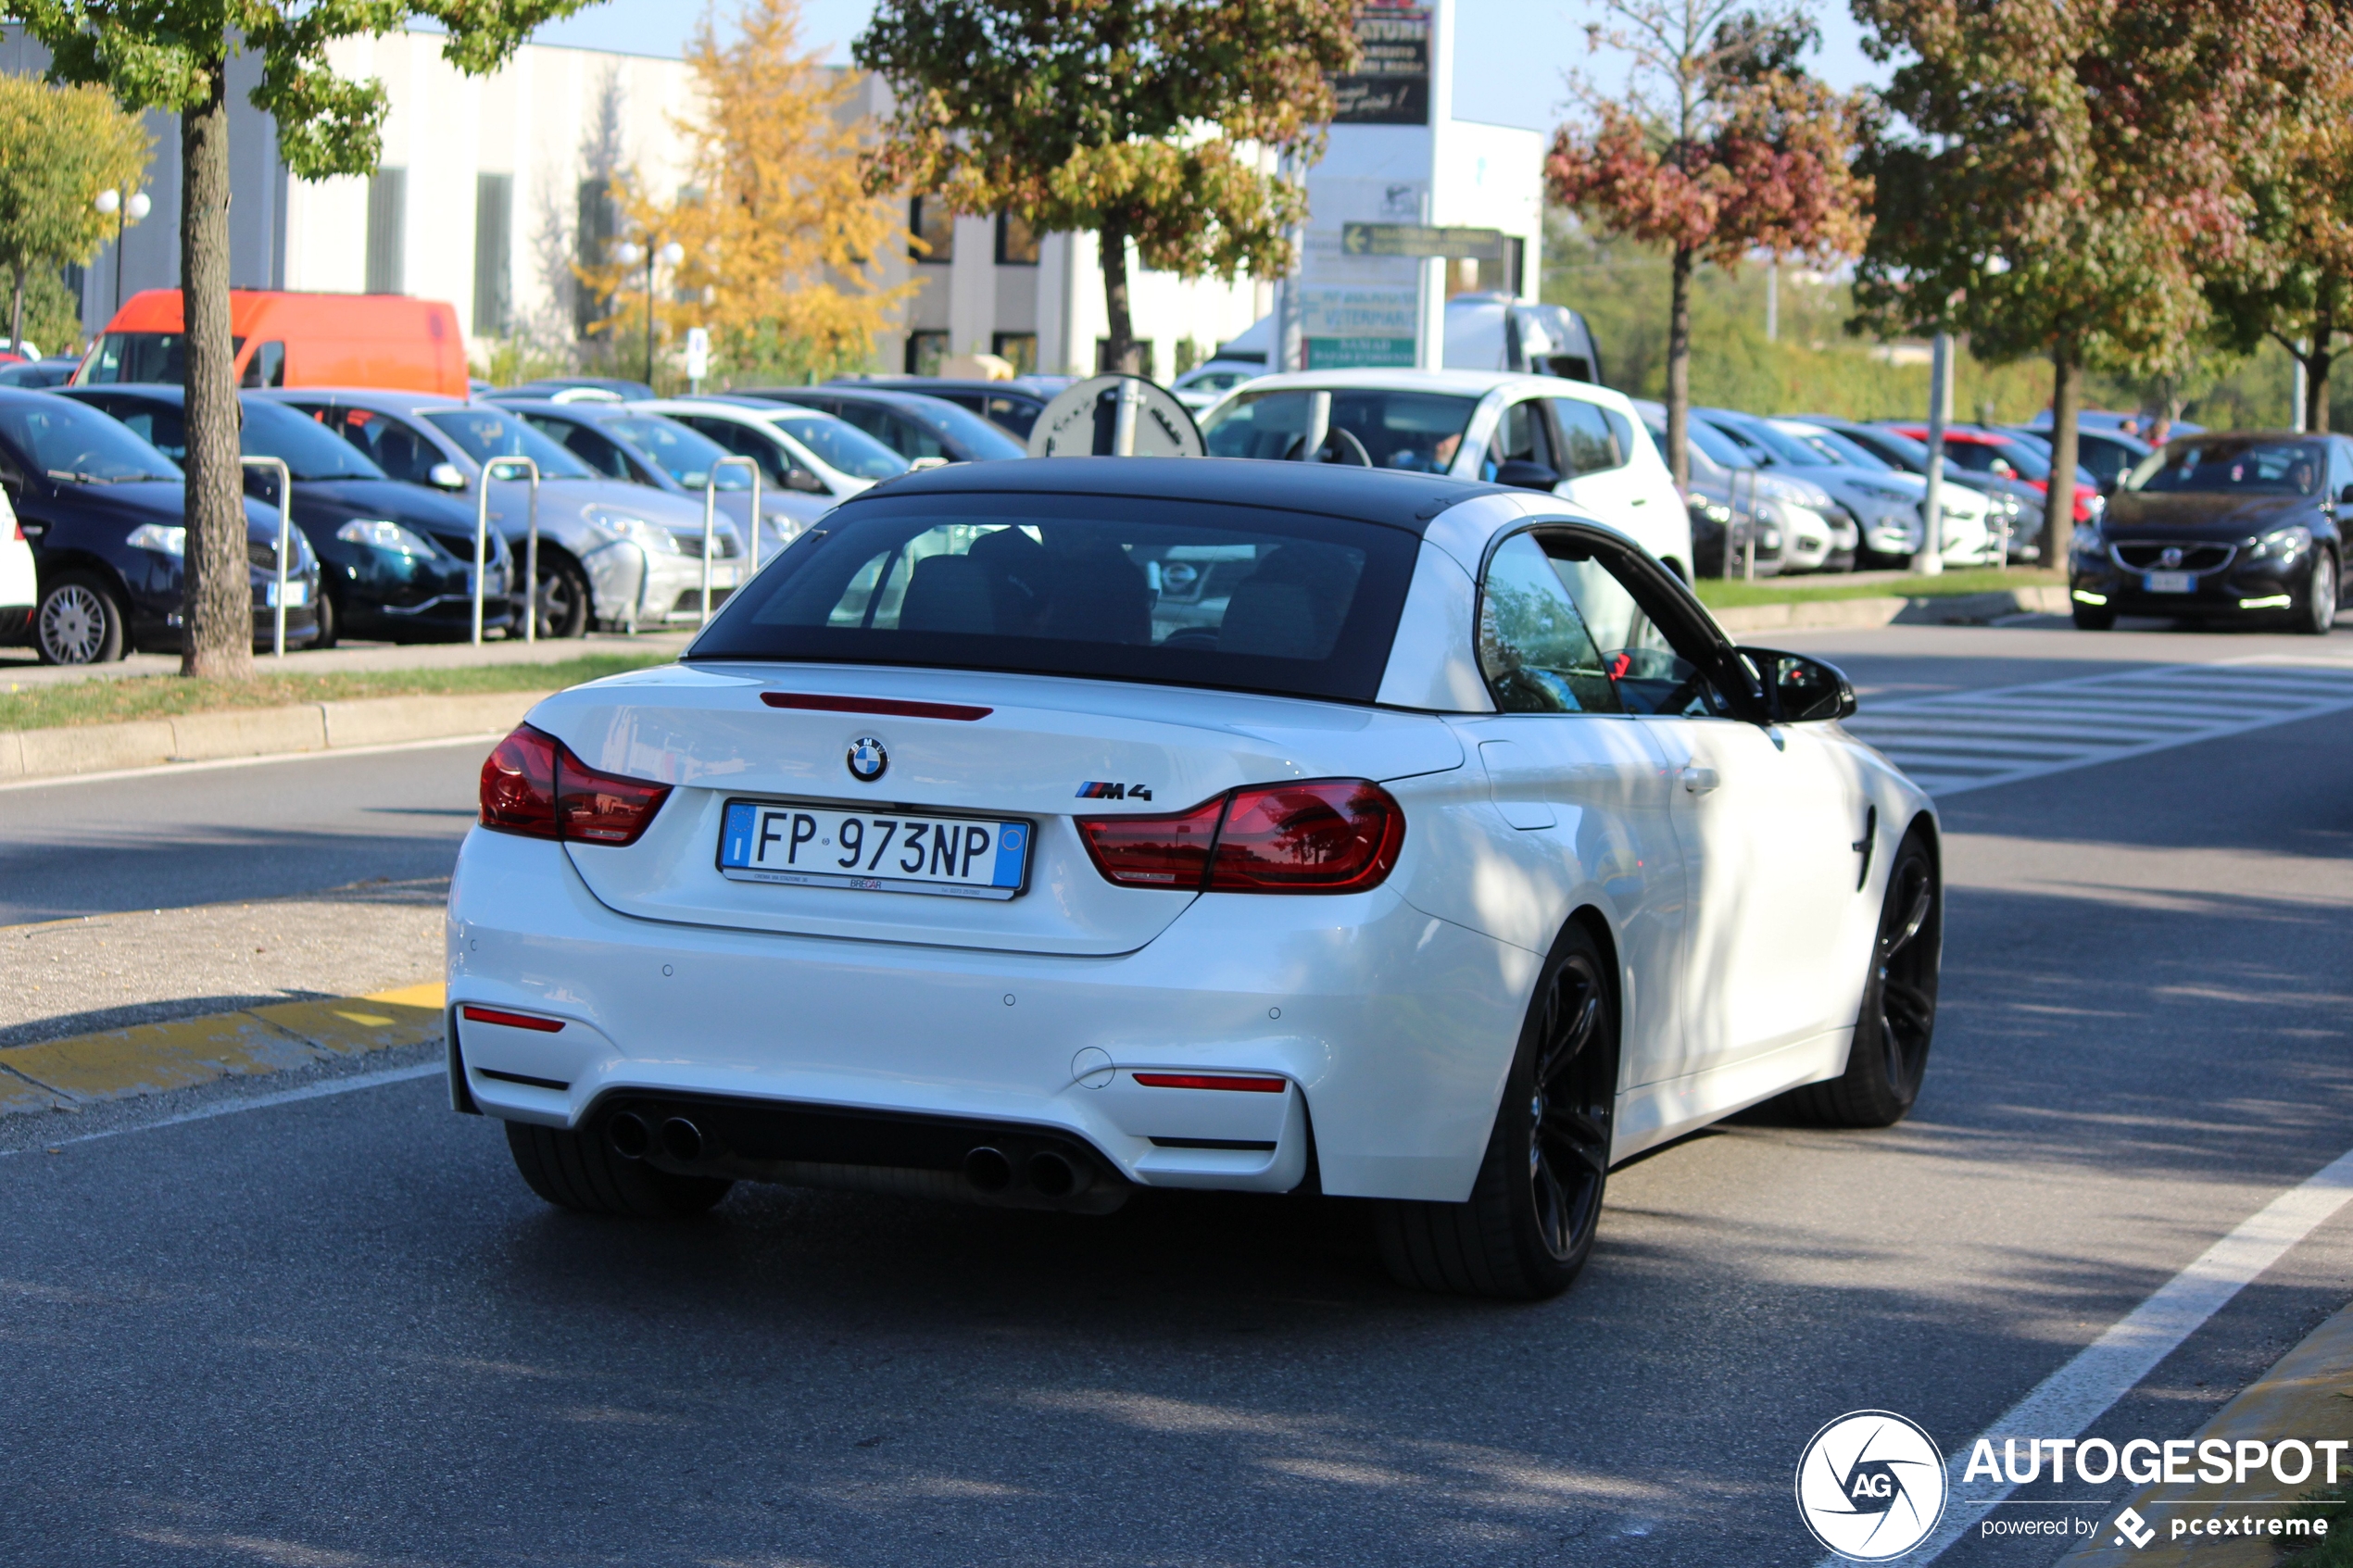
(385,340)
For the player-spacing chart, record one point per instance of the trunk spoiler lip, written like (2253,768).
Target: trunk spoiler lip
(895,707)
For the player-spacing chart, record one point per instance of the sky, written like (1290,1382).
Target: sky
(1510,54)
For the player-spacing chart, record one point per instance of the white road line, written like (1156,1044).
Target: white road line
(1959,741)
(258,1102)
(51,783)
(2067,1402)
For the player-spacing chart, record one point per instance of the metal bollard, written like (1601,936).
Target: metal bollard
(711,523)
(482,544)
(285,538)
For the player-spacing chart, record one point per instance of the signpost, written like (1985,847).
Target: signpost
(1422,242)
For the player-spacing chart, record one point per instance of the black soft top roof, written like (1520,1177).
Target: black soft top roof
(1390,497)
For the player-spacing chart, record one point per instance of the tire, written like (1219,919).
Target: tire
(329,620)
(79,621)
(582,1173)
(2094,618)
(563,596)
(1529,1224)
(2318,613)
(1889,1056)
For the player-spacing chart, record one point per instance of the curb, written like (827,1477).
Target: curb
(72,749)
(153,1058)
(1951,610)
(2303,1395)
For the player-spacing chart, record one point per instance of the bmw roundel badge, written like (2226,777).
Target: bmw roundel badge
(867,759)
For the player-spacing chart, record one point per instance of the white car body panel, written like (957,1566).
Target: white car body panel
(20,588)
(1741,915)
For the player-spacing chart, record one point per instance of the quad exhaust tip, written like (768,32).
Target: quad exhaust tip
(629,1135)
(1052,1175)
(681,1139)
(988,1170)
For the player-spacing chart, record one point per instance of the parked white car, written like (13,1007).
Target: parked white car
(1889,506)
(1205,385)
(19,584)
(1578,442)
(1040,832)
(809,460)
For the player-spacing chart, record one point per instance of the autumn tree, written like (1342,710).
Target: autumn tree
(59,146)
(173,56)
(2071,176)
(1721,145)
(784,244)
(1146,122)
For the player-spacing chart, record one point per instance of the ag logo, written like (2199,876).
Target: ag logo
(867,759)
(1871,1485)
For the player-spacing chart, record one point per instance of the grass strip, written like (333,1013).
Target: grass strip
(1718,593)
(169,697)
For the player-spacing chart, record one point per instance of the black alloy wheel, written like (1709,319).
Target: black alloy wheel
(1536,1205)
(79,621)
(563,597)
(1889,1056)
(2320,596)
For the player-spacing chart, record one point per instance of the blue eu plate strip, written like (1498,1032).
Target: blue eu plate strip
(1012,840)
(740,825)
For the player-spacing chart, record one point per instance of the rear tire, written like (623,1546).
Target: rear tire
(578,1171)
(79,621)
(563,598)
(2320,597)
(2094,618)
(1889,1056)
(330,620)
(1528,1226)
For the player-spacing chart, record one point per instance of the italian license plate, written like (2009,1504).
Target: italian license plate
(297,594)
(2169,583)
(875,852)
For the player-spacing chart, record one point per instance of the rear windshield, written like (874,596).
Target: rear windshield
(272,429)
(1178,593)
(1417,430)
(2233,467)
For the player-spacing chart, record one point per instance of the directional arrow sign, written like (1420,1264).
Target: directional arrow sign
(1421,241)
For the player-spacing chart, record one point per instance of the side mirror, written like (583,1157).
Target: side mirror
(805,482)
(446,476)
(1526,475)
(1801,689)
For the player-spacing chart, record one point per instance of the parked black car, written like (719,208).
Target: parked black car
(397,560)
(916,427)
(104,511)
(1012,406)
(2232,525)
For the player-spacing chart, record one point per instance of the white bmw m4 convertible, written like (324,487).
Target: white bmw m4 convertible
(1031,833)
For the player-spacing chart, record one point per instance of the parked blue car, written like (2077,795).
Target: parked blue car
(104,512)
(397,559)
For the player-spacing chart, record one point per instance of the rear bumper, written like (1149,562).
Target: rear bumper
(1391,1031)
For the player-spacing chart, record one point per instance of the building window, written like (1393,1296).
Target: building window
(598,227)
(387,223)
(1017,349)
(1150,349)
(1016,242)
(931,229)
(924,352)
(493,253)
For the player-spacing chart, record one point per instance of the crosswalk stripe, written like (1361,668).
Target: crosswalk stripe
(1958,741)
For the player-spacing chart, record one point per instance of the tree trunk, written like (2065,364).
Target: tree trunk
(1678,374)
(16,313)
(2316,371)
(1123,353)
(218,609)
(2059,505)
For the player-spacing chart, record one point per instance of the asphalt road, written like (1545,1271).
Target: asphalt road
(339,1331)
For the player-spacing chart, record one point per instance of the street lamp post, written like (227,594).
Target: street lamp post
(124,213)
(629,253)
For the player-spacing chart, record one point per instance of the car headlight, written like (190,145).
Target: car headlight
(163,540)
(615,527)
(2281,544)
(381,534)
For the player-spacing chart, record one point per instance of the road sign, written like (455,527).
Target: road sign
(1421,241)
(1114,416)
(697,353)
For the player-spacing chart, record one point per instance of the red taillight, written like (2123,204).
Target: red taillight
(512,1020)
(1212,1080)
(534,785)
(1324,835)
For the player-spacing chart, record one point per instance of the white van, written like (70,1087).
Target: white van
(1580,442)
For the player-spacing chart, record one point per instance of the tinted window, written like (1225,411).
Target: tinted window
(74,444)
(144,356)
(775,463)
(482,435)
(2240,465)
(685,455)
(981,441)
(1521,438)
(1990,457)
(843,447)
(1014,415)
(1560,632)
(1586,437)
(1835,448)
(160,425)
(272,429)
(1179,592)
(1772,444)
(1417,431)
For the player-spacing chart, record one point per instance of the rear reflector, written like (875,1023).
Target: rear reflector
(512,1020)
(1212,1081)
(533,784)
(886,704)
(1321,836)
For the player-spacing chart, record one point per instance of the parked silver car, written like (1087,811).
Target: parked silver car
(612,554)
(809,460)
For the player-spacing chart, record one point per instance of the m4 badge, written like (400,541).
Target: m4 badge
(1091,790)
